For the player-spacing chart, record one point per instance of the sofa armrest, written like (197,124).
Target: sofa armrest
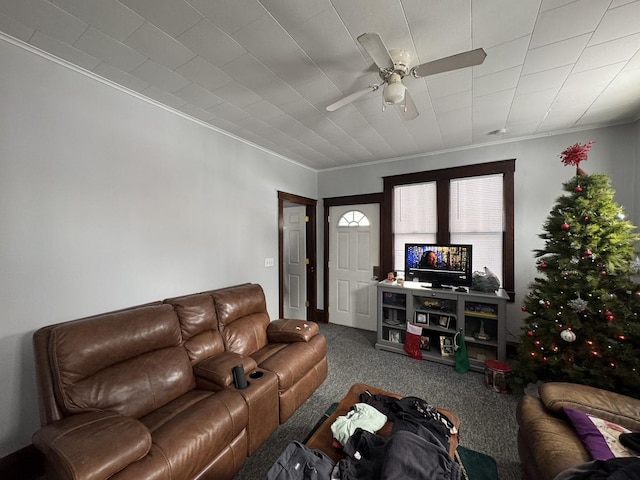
(218,368)
(92,445)
(601,403)
(286,330)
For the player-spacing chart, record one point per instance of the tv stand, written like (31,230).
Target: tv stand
(442,312)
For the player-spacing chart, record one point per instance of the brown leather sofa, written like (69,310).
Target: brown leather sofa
(547,442)
(148,391)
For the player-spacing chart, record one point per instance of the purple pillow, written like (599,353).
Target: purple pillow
(600,437)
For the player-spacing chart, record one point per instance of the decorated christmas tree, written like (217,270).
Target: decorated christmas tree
(583,305)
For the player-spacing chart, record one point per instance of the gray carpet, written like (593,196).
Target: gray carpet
(488,418)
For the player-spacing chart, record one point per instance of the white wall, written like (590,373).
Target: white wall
(108,201)
(538,183)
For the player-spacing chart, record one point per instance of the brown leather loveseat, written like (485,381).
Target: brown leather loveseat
(148,391)
(547,441)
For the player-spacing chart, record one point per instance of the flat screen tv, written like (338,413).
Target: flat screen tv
(441,265)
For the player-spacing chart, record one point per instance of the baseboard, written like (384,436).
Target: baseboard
(25,464)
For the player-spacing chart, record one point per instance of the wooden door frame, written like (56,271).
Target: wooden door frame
(312,276)
(329,202)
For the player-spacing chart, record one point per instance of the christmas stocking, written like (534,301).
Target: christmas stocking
(412,341)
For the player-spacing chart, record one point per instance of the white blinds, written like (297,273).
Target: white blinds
(476,217)
(415,218)
(476,204)
(415,209)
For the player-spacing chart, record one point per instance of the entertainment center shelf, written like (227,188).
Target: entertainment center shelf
(441,313)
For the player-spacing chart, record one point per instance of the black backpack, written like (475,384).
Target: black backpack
(299,462)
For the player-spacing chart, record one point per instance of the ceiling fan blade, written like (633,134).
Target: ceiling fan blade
(454,62)
(409,109)
(376,48)
(350,98)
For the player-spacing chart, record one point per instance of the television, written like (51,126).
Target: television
(441,265)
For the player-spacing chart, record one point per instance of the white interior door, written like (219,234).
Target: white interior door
(295,266)
(354,249)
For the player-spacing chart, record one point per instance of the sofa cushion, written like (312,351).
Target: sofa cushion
(191,431)
(604,404)
(199,325)
(243,317)
(130,361)
(601,437)
(547,443)
(75,445)
(291,361)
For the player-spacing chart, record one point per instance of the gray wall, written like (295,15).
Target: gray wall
(538,182)
(108,201)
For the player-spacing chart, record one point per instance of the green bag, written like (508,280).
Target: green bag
(462,359)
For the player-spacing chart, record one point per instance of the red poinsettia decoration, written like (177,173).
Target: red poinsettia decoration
(575,154)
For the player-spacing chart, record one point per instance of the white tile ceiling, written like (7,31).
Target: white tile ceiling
(264,70)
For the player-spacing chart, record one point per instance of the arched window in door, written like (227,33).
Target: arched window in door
(353,218)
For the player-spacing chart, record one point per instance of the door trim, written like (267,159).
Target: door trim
(337,202)
(311,290)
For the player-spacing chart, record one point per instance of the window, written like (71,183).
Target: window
(353,218)
(468,205)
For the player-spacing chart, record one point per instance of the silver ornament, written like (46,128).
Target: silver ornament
(568,335)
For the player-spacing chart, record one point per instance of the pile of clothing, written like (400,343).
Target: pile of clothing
(417,448)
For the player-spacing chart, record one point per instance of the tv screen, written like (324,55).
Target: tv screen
(441,265)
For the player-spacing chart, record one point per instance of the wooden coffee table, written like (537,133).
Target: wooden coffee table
(322,438)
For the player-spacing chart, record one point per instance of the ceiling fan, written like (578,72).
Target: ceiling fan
(394,65)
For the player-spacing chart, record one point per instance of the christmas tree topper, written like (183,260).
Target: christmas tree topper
(575,154)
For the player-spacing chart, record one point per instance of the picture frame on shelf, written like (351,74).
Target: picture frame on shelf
(394,336)
(421,317)
(425,343)
(446,346)
(443,321)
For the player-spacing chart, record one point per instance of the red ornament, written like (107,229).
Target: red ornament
(586,218)
(578,189)
(603,272)
(587,252)
(609,315)
(564,226)
(523,308)
(543,265)
(530,333)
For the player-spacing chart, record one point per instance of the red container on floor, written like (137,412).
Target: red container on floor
(496,374)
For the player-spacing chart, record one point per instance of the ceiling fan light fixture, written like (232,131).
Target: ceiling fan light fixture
(393,91)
